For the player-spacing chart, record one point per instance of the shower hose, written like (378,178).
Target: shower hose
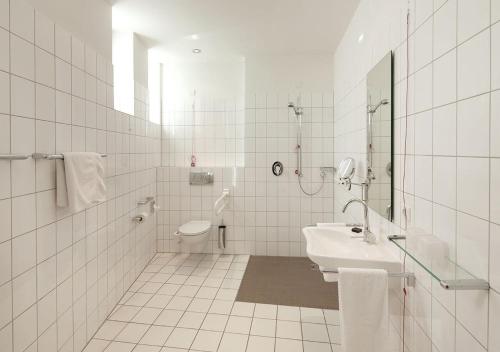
(319,189)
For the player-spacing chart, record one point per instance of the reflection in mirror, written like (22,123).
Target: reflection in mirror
(379,137)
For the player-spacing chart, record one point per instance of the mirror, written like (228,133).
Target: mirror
(346,169)
(379,137)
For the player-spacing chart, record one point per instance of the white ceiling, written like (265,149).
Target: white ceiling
(236,28)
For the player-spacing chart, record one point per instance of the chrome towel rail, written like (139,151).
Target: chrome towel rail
(36,156)
(410,277)
(54,156)
(14,156)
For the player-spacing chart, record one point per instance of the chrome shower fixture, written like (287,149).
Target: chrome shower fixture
(299,111)
(296,109)
(373,108)
(298,115)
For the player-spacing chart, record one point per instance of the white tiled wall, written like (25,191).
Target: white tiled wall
(141,101)
(266,212)
(214,131)
(452,164)
(62,273)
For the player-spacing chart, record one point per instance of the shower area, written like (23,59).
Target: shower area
(258,116)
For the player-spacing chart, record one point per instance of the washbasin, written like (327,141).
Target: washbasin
(332,247)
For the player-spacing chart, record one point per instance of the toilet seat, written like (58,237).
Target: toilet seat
(195,227)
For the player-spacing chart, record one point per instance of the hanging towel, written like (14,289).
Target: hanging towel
(364,309)
(80,181)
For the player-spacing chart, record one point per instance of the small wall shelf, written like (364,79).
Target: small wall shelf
(449,274)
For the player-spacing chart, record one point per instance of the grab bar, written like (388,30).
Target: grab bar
(218,209)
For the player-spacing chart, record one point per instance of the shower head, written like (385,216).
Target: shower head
(373,108)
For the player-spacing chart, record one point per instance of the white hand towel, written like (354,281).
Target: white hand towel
(80,181)
(364,309)
(61,189)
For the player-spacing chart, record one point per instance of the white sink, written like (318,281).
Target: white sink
(332,247)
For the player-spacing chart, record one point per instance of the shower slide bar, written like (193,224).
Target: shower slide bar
(36,156)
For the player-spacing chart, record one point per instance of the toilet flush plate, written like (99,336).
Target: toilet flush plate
(201,178)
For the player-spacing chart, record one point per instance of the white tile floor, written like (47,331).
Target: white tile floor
(186,302)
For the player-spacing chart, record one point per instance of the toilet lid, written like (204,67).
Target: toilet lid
(194,227)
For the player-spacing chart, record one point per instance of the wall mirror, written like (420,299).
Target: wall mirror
(379,137)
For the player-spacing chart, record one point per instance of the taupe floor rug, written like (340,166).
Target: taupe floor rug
(286,281)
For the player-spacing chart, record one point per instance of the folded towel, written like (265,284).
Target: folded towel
(364,309)
(80,181)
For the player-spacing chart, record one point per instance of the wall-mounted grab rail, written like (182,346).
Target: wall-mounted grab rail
(221,202)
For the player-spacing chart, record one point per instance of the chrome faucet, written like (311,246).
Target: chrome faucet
(368,236)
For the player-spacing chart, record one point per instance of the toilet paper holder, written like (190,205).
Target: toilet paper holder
(152,203)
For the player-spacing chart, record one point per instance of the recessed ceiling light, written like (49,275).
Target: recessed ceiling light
(196,51)
(195,36)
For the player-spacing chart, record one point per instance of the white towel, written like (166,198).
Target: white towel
(364,309)
(80,181)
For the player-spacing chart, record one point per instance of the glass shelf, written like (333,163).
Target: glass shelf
(437,263)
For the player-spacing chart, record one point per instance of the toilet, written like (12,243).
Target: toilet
(193,235)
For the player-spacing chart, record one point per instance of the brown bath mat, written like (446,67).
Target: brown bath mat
(288,281)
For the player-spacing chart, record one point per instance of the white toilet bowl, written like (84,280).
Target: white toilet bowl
(193,236)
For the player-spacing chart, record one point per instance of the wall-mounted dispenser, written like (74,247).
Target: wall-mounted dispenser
(143,216)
